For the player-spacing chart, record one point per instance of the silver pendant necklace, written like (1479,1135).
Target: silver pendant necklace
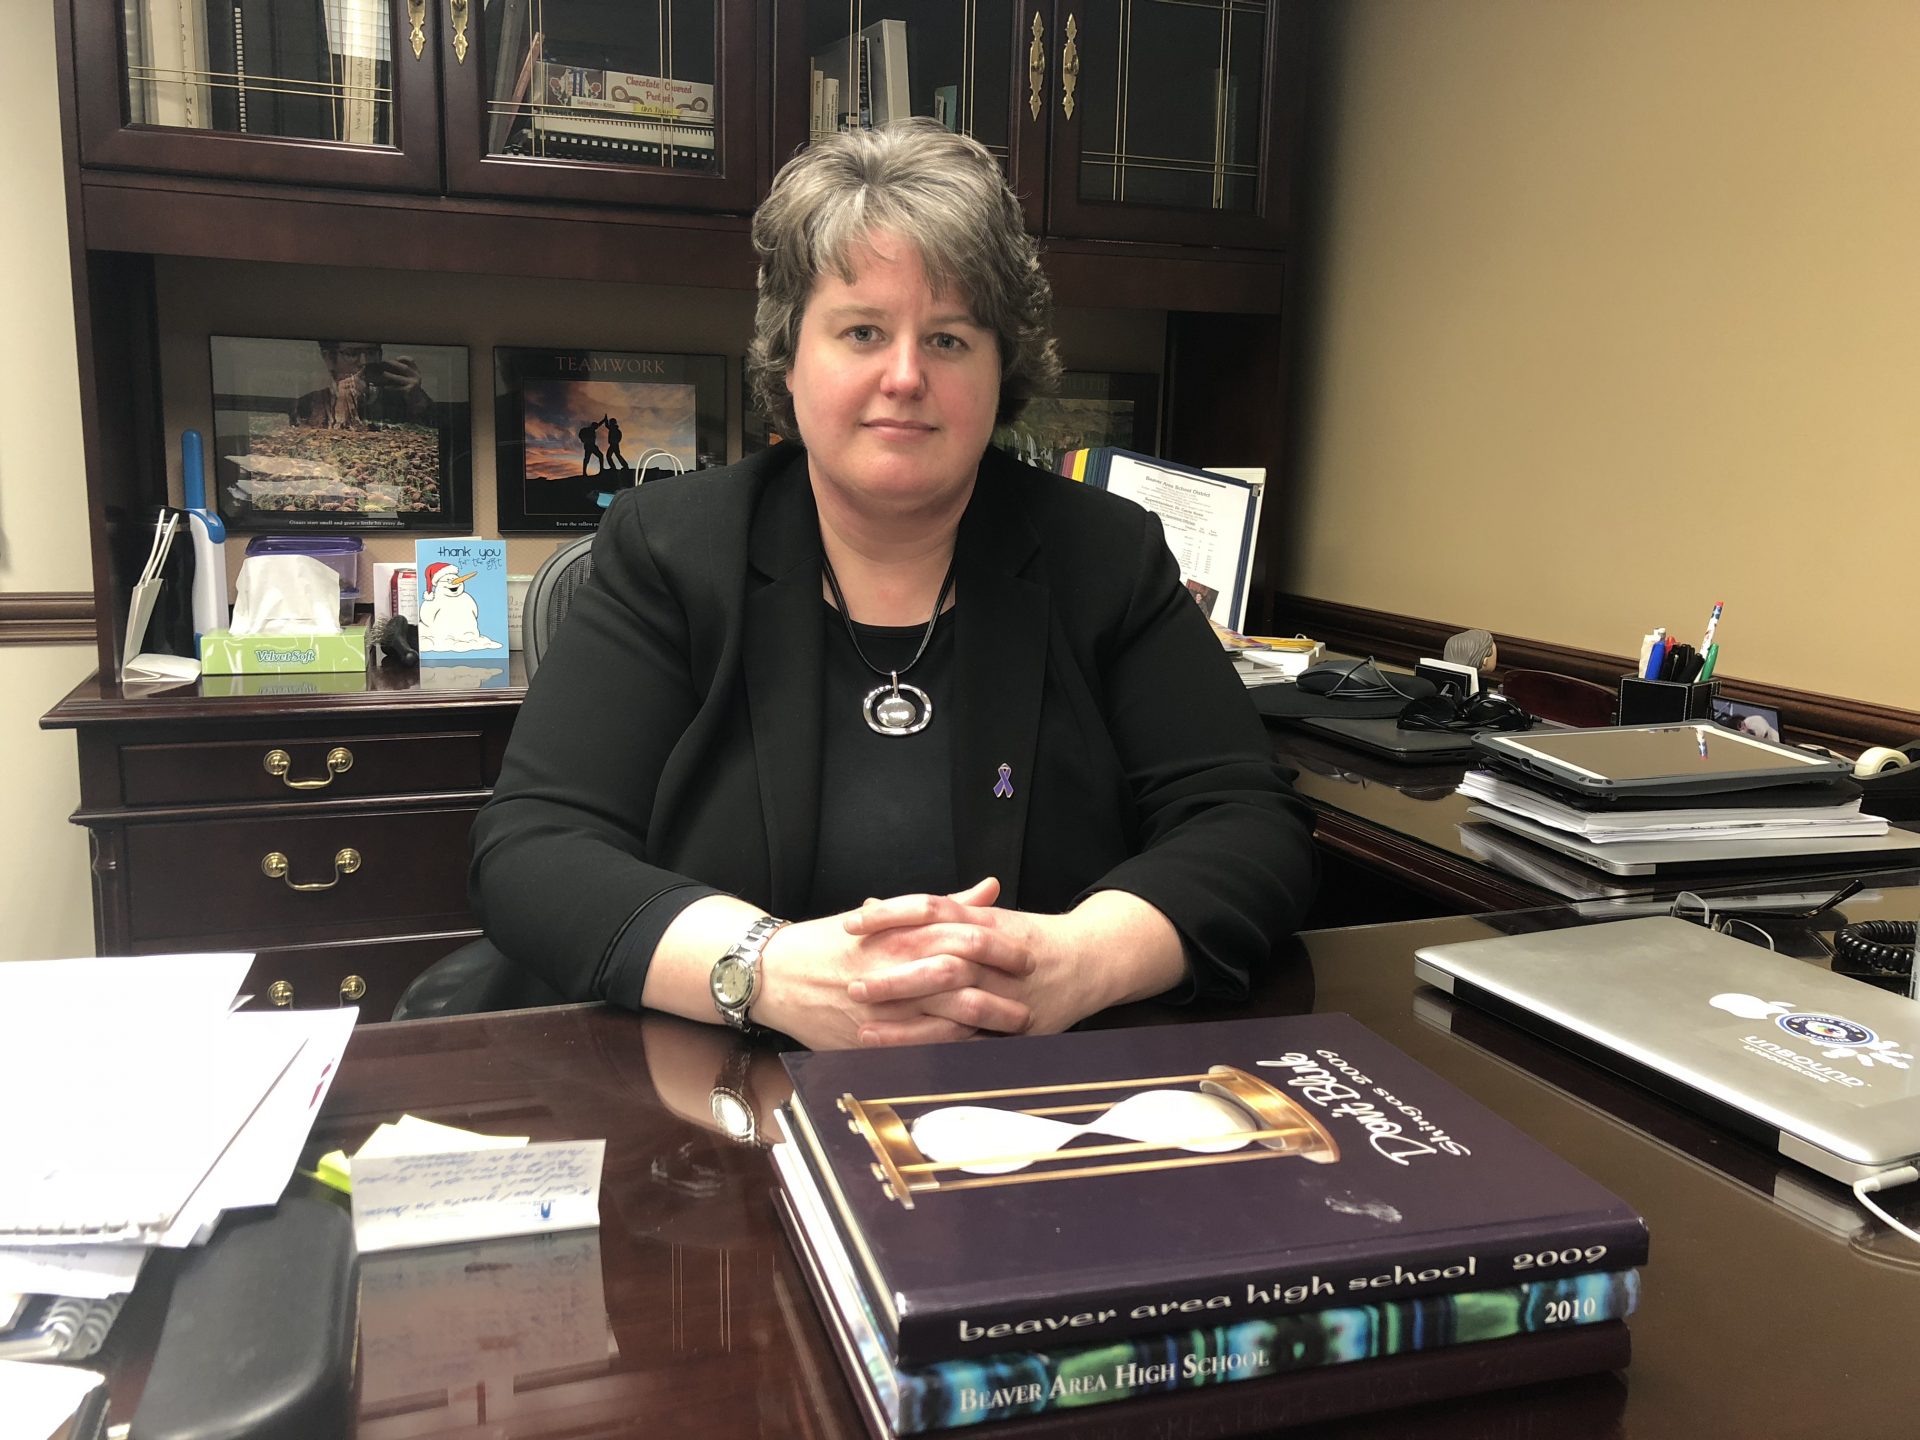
(892,708)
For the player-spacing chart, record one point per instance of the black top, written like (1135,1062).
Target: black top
(886,801)
(886,810)
(674,740)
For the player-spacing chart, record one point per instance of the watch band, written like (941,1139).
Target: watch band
(735,978)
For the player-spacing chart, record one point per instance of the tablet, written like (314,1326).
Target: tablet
(1690,757)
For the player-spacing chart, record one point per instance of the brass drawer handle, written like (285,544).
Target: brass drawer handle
(352,988)
(278,762)
(281,993)
(1036,66)
(1070,67)
(274,867)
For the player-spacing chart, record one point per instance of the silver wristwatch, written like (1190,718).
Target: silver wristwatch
(735,981)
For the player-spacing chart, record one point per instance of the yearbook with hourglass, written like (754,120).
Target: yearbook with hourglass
(1030,1192)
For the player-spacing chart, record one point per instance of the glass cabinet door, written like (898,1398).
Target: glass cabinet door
(961,62)
(1173,120)
(311,91)
(623,101)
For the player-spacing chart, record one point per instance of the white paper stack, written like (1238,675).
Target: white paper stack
(140,1109)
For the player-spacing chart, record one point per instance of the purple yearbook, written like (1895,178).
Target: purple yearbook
(1032,1192)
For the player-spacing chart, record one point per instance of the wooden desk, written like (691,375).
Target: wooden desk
(1770,1305)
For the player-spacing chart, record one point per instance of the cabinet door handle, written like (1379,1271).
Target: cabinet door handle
(458,9)
(275,867)
(417,26)
(1036,66)
(1069,66)
(278,762)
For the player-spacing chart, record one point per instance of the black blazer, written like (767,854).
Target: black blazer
(673,731)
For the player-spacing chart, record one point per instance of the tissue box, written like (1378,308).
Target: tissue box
(224,653)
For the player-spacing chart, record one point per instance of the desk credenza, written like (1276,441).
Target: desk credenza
(327,832)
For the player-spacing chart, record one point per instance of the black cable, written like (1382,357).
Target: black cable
(1874,948)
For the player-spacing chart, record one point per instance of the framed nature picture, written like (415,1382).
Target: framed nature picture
(341,435)
(573,428)
(1093,408)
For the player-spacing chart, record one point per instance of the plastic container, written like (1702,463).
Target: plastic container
(340,553)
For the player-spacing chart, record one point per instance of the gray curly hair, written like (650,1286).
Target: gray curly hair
(943,194)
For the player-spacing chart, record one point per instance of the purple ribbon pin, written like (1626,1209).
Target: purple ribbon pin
(1003,787)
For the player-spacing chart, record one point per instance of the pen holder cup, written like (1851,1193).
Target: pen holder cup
(1648,702)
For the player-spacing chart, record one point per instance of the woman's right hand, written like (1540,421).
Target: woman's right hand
(807,967)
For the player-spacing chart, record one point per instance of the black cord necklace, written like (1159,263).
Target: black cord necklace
(893,708)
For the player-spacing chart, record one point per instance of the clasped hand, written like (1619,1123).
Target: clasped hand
(918,969)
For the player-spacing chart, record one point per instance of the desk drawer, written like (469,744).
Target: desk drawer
(324,767)
(273,881)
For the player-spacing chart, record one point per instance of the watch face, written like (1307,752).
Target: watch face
(733,1114)
(732,982)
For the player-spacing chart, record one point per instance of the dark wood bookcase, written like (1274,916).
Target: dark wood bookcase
(442,196)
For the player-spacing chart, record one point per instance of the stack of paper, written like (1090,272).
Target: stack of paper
(142,1109)
(1268,659)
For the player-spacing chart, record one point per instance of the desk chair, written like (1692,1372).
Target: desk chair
(478,977)
(1560,698)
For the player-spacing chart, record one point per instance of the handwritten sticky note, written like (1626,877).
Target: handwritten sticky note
(409,1135)
(403,1201)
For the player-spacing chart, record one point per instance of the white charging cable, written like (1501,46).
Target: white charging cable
(1887,1180)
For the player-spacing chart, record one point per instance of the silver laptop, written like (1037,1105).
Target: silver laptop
(1667,857)
(1819,1066)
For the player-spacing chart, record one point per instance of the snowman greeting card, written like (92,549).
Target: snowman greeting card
(463,599)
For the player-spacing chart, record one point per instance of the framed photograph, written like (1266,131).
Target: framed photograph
(573,428)
(1094,408)
(359,435)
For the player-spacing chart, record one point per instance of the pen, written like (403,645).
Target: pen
(1657,656)
(1713,622)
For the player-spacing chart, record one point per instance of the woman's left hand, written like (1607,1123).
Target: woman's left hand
(1063,968)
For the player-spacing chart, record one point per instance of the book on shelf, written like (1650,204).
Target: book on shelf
(870,68)
(1061,1375)
(1010,1193)
(1210,518)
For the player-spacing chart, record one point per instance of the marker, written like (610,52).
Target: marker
(1657,656)
(1706,670)
(1713,621)
(1647,643)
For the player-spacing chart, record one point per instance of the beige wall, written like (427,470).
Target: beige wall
(1615,311)
(46,905)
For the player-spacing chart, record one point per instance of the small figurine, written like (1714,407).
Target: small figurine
(1475,648)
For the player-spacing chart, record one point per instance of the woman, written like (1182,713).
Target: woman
(952,720)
